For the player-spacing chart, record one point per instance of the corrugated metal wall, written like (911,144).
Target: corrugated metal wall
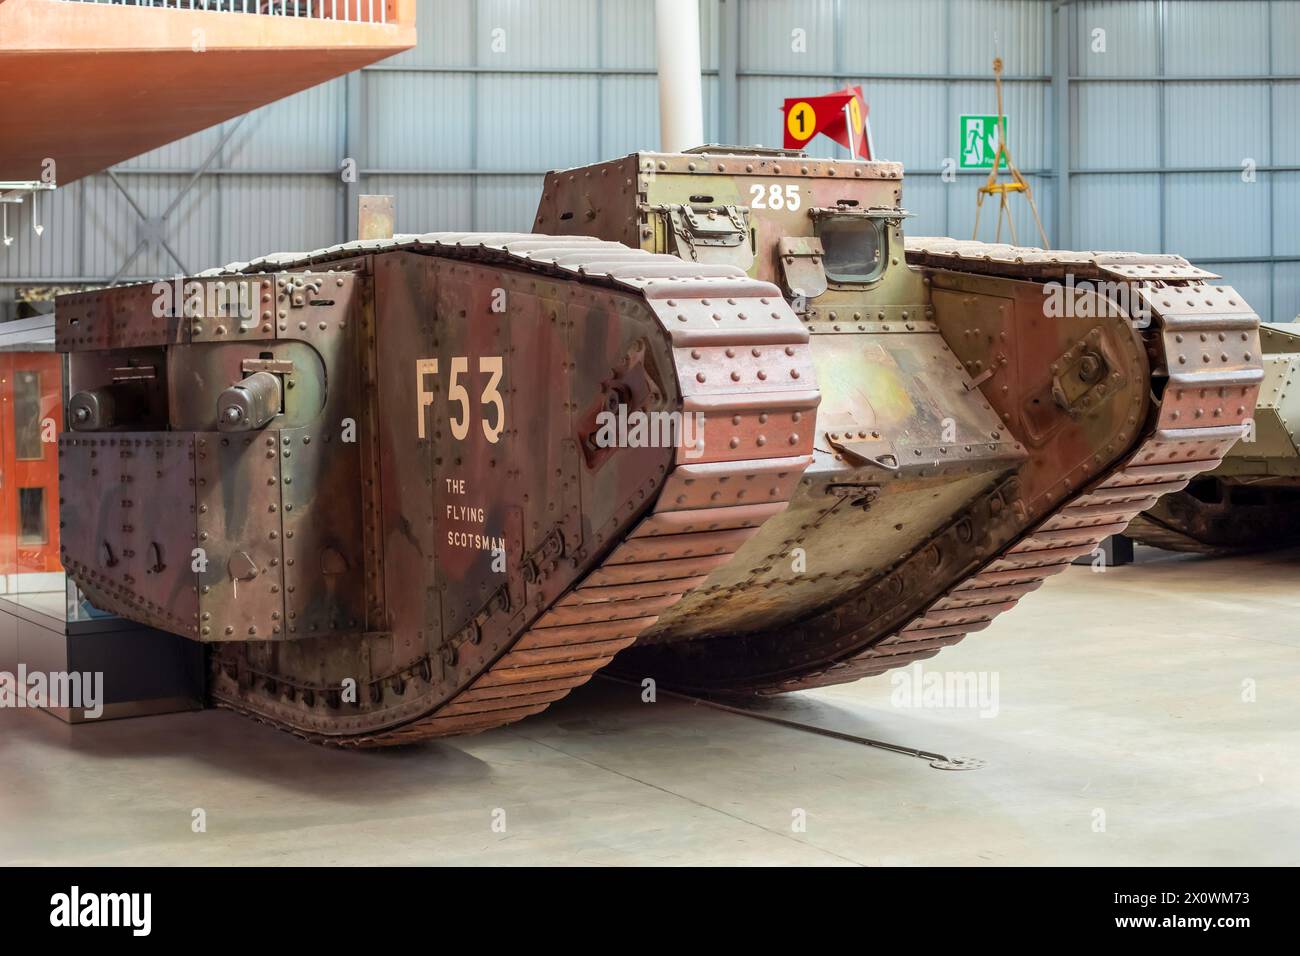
(461,128)
(921,65)
(1185,137)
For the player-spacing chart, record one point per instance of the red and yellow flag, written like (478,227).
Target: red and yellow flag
(833,115)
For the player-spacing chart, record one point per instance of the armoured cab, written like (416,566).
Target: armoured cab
(828,232)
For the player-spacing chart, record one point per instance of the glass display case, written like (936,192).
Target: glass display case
(45,622)
(31,417)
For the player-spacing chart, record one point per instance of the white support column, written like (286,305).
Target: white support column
(681,97)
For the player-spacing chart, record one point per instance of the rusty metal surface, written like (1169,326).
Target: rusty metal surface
(130,525)
(216,517)
(1251,501)
(1027,262)
(431,537)
(376,217)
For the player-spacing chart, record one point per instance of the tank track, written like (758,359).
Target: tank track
(1200,415)
(703,512)
(1149,530)
(1253,502)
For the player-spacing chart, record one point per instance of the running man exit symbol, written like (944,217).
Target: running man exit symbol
(979,141)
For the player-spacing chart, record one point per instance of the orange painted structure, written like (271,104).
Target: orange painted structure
(92,84)
(31,411)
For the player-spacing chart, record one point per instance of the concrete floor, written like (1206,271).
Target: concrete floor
(1120,694)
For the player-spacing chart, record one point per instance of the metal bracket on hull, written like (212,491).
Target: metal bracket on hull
(865,451)
(802,265)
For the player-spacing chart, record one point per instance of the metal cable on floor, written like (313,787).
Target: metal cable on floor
(937,760)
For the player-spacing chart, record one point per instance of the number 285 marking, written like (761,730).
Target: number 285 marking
(493,366)
(774,197)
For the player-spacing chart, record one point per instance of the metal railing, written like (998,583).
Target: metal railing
(344,11)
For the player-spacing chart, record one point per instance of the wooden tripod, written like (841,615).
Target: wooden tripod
(1017,184)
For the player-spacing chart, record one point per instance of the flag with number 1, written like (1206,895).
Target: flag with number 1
(836,115)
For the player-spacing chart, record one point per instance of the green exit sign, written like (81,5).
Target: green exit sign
(979,137)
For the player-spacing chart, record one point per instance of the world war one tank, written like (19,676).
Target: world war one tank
(1252,500)
(713,423)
